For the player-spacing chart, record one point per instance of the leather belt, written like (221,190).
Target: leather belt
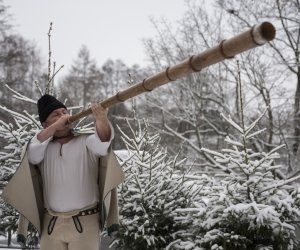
(77,223)
(89,211)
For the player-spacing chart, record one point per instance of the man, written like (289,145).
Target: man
(73,184)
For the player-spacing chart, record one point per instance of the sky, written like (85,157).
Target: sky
(109,28)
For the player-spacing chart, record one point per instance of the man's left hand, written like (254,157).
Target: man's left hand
(102,122)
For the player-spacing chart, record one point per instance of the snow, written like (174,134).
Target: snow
(14,244)
(160,205)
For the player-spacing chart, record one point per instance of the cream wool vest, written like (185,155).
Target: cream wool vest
(25,192)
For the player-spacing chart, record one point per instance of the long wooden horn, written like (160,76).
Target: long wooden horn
(256,36)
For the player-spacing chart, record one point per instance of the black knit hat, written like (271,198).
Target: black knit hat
(46,104)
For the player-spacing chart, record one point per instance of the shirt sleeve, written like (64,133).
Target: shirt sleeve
(98,147)
(36,150)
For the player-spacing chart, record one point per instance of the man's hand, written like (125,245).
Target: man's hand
(99,112)
(62,123)
(102,122)
(59,127)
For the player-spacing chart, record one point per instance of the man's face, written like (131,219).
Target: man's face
(54,116)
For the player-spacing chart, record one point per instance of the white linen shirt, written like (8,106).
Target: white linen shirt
(69,171)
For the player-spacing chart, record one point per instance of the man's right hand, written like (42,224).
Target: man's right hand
(60,127)
(62,123)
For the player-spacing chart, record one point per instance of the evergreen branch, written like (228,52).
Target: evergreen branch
(255,133)
(51,82)
(174,164)
(32,119)
(13,135)
(52,78)
(253,124)
(150,167)
(241,98)
(267,156)
(214,128)
(276,149)
(230,141)
(80,121)
(125,137)
(239,165)
(124,162)
(49,53)
(13,113)
(215,153)
(172,243)
(38,87)
(242,116)
(19,96)
(280,184)
(232,123)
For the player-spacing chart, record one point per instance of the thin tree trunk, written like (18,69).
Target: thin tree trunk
(9,238)
(297,115)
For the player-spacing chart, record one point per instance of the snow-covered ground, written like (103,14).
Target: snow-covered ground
(3,243)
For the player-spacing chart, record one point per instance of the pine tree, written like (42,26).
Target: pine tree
(249,206)
(154,187)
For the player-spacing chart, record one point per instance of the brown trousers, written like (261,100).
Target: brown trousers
(81,233)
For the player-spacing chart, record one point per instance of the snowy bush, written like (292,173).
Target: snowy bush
(153,189)
(15,135)
(249,206)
